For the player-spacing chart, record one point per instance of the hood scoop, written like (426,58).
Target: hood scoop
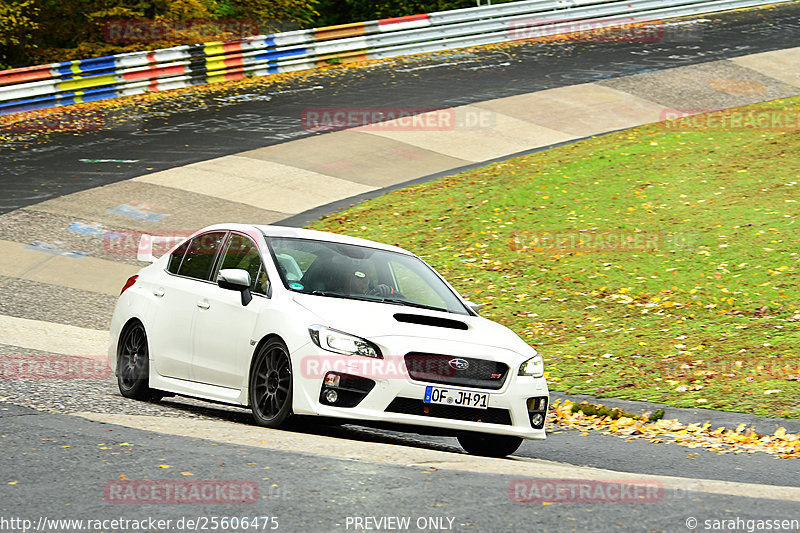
(434,321)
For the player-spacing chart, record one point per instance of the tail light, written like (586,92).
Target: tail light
(129,284)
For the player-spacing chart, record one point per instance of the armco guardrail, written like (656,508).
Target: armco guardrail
(71,82)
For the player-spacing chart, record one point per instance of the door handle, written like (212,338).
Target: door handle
(203,304)
(159,292)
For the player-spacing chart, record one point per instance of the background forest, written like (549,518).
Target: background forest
(44,31)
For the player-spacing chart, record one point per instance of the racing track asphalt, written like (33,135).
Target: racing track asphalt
(250,117)
(426,81)
(63,471)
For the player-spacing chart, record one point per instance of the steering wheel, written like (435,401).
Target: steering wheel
(382,290)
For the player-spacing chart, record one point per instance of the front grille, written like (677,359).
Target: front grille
(409,406)
(435,368)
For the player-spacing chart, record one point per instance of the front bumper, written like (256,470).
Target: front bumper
(387,394)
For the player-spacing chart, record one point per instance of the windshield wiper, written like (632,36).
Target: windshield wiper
(327,293)
(411,304)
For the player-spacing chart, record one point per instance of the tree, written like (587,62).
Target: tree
(344,11)
(18,26)
(280,14)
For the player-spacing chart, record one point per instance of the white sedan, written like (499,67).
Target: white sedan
(292,321)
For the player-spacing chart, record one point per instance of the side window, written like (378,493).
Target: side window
(243,253)
(176,257)
(200,255)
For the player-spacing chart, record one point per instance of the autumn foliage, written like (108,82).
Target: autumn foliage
(44,31)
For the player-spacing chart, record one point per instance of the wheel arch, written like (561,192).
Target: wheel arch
(140,389)
(261,343)
(124,329)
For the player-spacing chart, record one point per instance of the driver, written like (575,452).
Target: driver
(360,283)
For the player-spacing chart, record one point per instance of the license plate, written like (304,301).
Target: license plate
(460,398)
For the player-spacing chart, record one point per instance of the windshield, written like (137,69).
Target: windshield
(361,273)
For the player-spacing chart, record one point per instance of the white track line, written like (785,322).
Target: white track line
(53,338)
(87,273)
(246,435)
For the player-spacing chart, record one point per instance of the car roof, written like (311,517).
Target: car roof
(302,233)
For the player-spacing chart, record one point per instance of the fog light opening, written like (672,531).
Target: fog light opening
(331,379)
(537,419)
(331,396)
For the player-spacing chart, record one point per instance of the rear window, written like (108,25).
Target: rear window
(176,257)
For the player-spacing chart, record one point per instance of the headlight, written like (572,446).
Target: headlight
(532,367)
(344,343)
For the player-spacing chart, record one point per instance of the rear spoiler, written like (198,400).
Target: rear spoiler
(161,242)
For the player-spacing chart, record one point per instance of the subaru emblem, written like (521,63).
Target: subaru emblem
(459,364)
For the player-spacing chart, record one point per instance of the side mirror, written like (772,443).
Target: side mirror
(475,307)
(236,279)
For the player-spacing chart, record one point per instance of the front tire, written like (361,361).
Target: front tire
(489,445)
(271,385)
(133,364)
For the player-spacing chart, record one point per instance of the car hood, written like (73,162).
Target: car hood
(373,320)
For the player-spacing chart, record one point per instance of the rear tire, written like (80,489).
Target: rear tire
(489,445)
(271,385)
(133,364)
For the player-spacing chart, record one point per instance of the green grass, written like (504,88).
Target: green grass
(694,311)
